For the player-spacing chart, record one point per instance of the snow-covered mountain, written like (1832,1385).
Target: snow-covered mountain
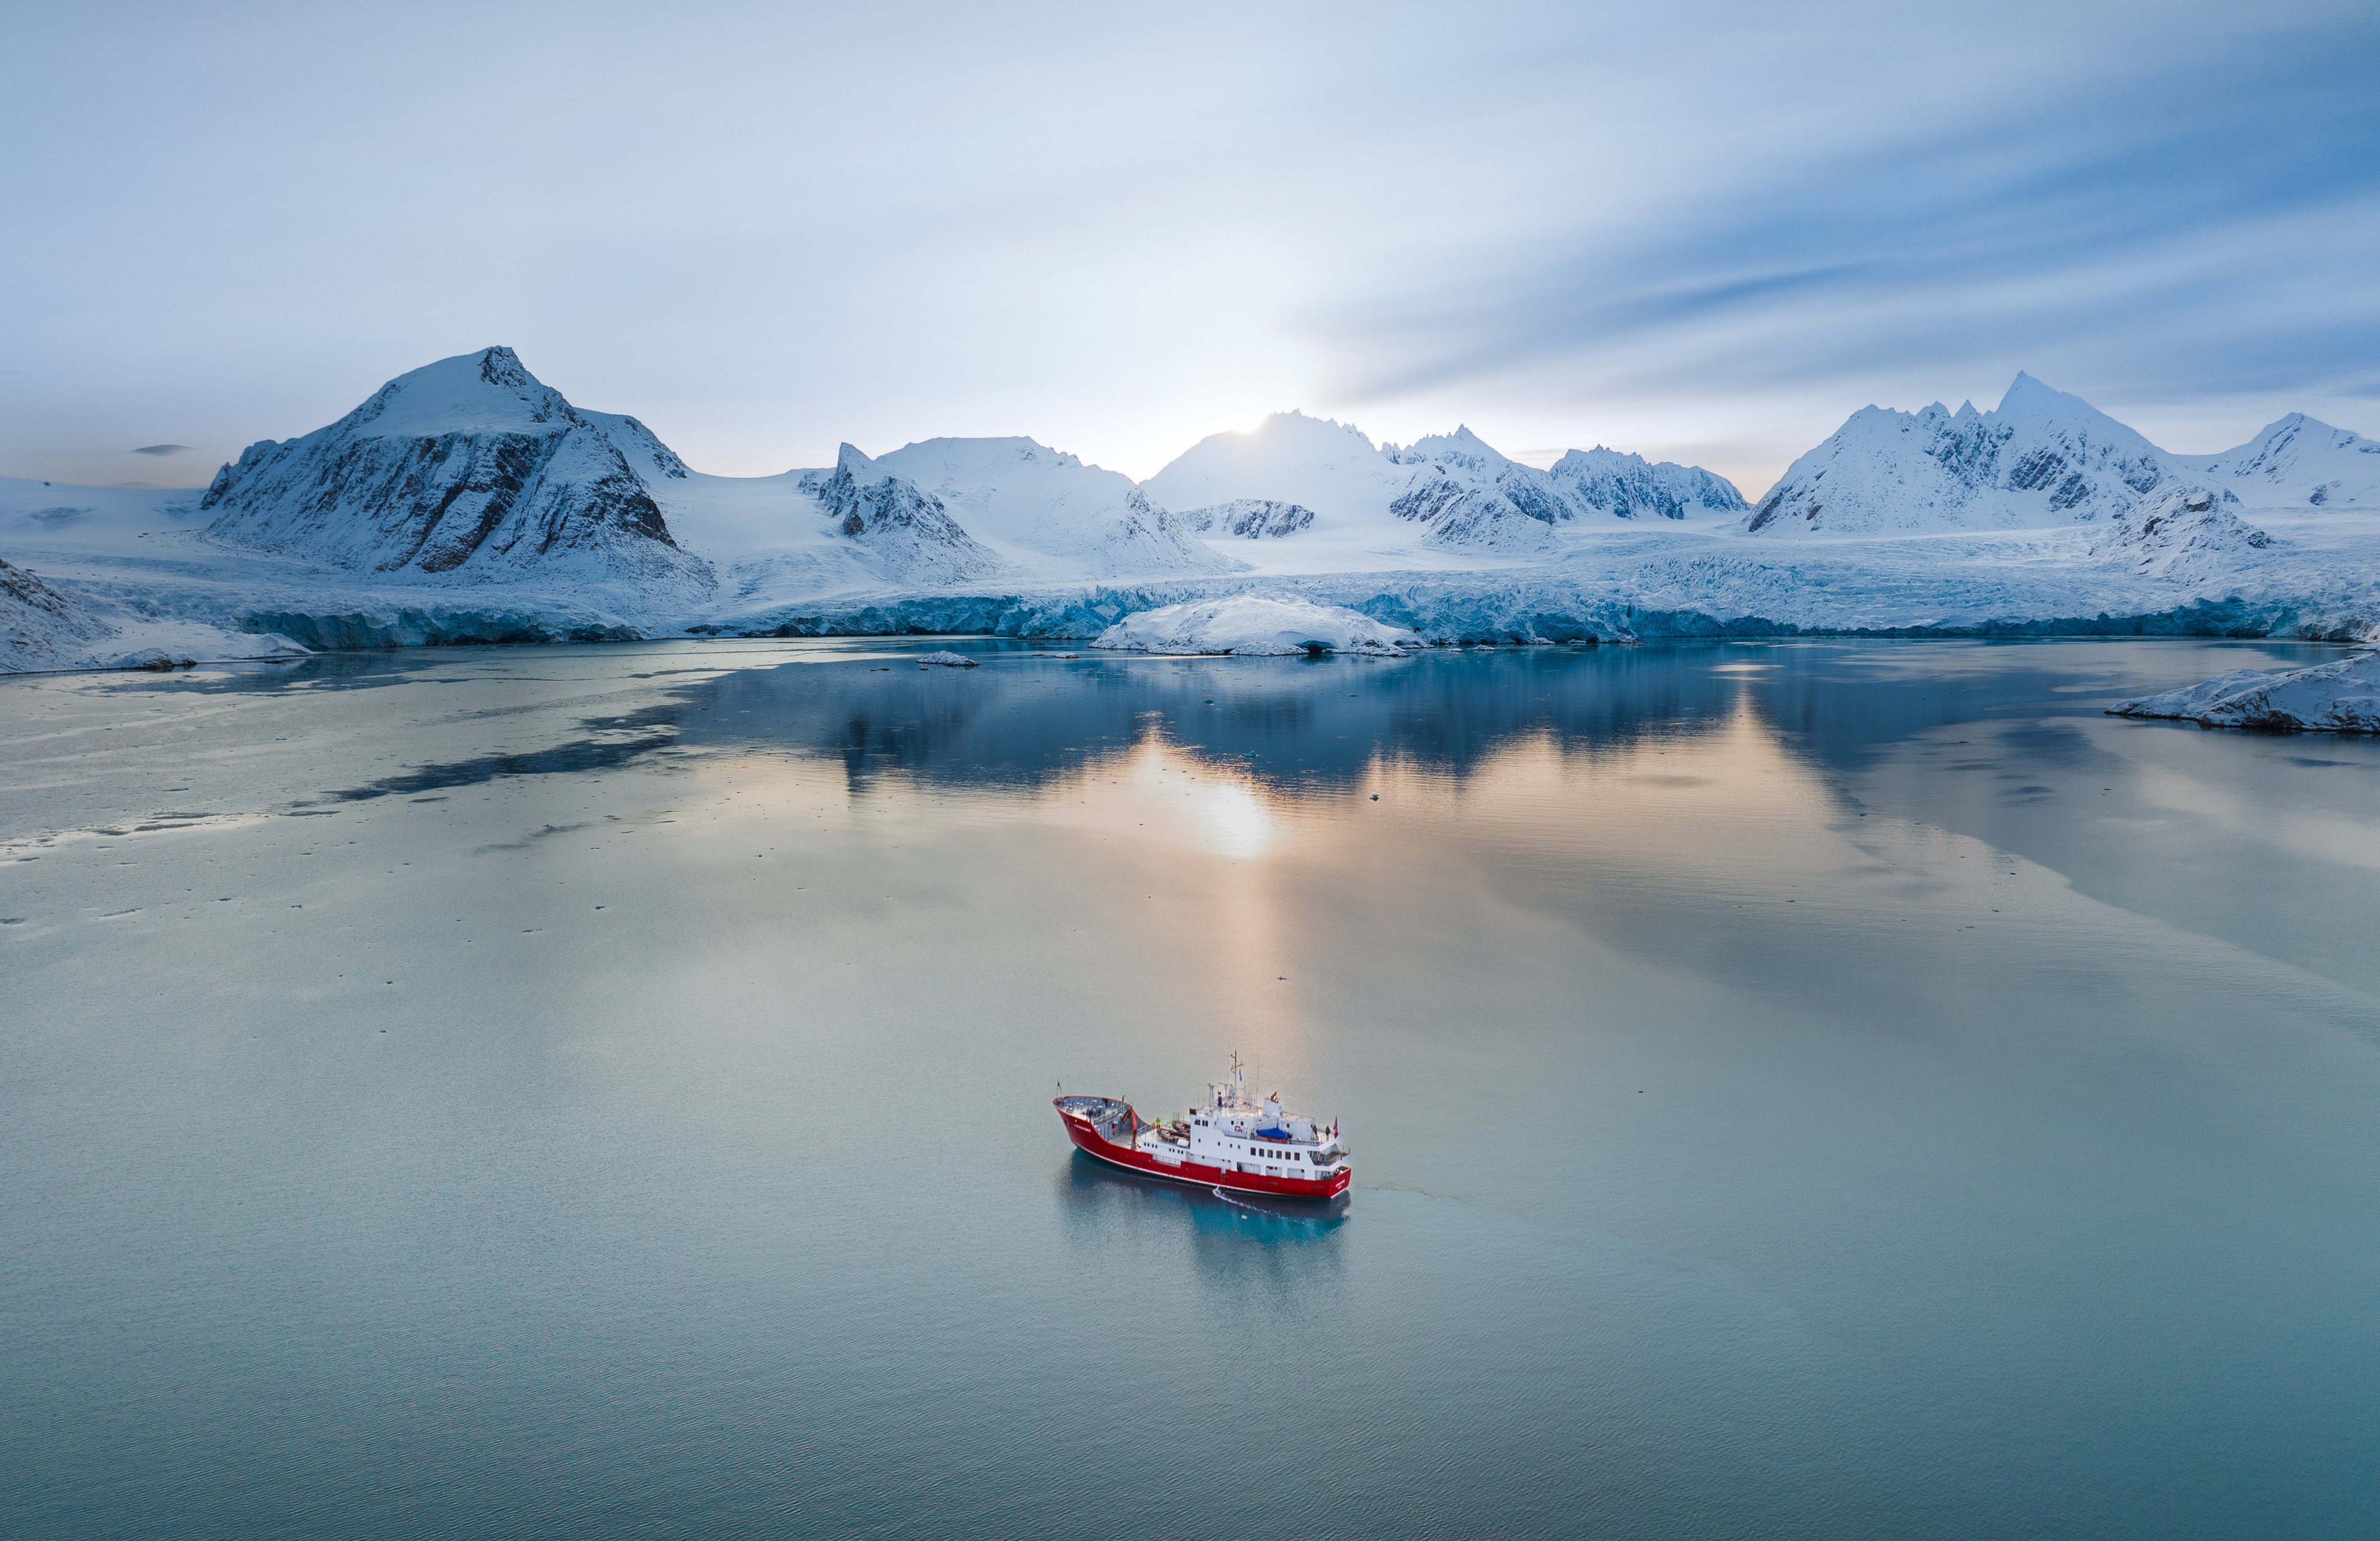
(1628,486)
(1047,513)
(2042,458)
(2297,461)
(1464,497)
(471,466)
(1330,468)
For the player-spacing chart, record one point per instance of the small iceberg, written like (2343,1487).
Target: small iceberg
(1250,625)
(2342,695)
(946,659)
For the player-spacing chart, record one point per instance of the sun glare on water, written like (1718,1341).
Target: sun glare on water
(1157,790)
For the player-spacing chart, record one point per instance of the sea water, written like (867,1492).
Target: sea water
(1796,1089)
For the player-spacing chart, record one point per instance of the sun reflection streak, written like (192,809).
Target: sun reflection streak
(1159,790)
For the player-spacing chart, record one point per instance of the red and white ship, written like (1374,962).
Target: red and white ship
(1232,1142)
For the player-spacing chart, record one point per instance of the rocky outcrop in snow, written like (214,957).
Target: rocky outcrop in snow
(1627,486)
(2342,695)
(2042,458)
(2297,461)
(41,628)
(913,538)
(1249,518)
(2179,527)
(471,466)
(1251,626)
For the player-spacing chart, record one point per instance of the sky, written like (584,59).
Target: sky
(1706,235)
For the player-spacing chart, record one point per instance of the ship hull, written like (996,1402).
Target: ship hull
(1198,1174)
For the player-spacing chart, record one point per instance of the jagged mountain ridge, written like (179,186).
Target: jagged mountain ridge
(1455,486)
(2041,460)
(1463,492)
(2041,457)
(470,466)
(1628,486)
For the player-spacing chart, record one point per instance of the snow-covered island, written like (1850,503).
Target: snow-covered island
(468,500)
(1251,626)
(2342,695)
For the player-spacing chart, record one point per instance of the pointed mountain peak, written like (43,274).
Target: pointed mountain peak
(859,466)
(2030,402)
(487,392)
(2026,393)
(500,366)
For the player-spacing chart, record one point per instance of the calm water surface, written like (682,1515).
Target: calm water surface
(1808,1089)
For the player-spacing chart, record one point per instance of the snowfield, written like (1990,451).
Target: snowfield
(469,501)
(2342,695)
(1252,626)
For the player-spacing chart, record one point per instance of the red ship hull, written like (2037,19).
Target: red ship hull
(1198,1173)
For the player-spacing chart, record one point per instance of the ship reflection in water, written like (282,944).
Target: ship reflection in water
(1096,1196)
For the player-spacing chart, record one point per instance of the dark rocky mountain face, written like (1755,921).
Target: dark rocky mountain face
(2180,530)
(1249,518)
(470,465)
(1463,514)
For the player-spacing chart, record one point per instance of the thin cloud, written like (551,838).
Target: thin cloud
(2192,231)
(163,449)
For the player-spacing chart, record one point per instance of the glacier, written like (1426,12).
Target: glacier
(469,501)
